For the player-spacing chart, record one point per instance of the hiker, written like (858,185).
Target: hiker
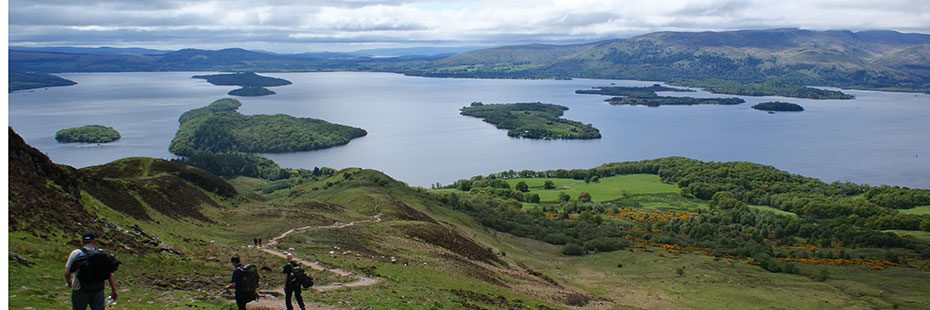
(86,269)
(244,281)
(292,282)
(259,242)
(255,242)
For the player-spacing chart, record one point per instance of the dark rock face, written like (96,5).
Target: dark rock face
(48,199)
(43,195)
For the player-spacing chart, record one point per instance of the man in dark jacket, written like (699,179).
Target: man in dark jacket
(291,285)
(86,294)
(242,297)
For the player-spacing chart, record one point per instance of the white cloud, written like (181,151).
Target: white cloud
(294,25)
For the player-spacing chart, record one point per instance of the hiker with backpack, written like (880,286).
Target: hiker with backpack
(245,280)
(294,279)
(86,270)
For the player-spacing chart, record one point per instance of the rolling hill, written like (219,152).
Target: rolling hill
(886,60)
(32,80)
(868,59)
(374,242)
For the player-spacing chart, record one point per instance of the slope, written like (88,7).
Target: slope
(831,58)
(426,250)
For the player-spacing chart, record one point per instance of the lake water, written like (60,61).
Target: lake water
(416,134)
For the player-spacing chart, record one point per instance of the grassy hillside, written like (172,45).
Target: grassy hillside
(178,257)
(425,250)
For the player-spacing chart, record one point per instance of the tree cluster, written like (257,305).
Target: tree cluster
(220,128)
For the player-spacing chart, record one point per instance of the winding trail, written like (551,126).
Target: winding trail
(361,280)
(269,299)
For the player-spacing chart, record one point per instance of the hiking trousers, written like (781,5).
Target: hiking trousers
(242,298)
(81,299)
(288,291)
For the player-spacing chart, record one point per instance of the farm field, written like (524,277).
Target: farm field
(608,188)
(916,210)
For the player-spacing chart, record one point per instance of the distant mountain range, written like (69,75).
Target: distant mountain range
(375,52)
(415,51)
(103,50)
(867,59)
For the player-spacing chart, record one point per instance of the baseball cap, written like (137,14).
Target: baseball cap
(88,236)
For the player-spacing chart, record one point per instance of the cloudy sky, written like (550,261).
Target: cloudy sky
(311,25)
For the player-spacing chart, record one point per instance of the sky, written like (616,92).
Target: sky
(311,25)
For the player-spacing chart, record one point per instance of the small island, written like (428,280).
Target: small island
(219,127)
(659,101)
(32,80)
(768,88)
(87,134)
(778,106)
(532,120)
(647,96)
(252,84)
(243,79)
(628,91)
(251,91)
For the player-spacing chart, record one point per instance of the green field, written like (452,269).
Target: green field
(770,209)
(916,234)
(605,189)
(916,210)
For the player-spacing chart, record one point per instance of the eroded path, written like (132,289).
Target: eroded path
(361,280)
(273,300)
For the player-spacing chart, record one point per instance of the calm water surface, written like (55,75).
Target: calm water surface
(416,134)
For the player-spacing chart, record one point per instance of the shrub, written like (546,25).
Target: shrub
(549,185)
(821,275)
(606,244)
(558,238)
(573,249)
(521,186)
(577,300)
(233,164)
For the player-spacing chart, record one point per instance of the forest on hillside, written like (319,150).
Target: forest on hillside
(807,220)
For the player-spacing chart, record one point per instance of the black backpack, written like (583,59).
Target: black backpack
(250,281)
(94,267)
(299,277)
